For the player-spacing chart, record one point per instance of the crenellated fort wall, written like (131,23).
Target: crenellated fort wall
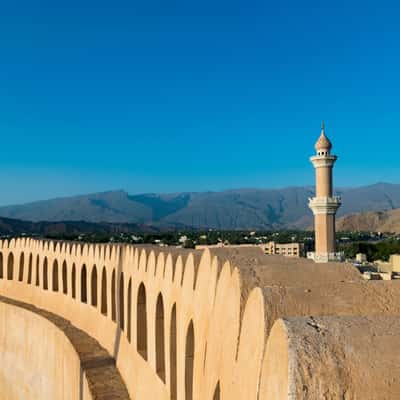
(191,325)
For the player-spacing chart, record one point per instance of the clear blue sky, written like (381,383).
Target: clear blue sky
(165,96)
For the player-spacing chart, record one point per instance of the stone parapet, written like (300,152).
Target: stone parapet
(189,325)
(324,205)
(347,357)
(76,370)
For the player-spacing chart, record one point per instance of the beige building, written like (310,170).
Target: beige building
(361,258)
(283,249)
(324,205)
(392,267)
(271,248)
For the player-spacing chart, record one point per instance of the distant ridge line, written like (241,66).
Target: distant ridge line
(248,208)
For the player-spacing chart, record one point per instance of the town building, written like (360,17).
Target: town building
(271,248)
(283,249)
(361,258)
(391,267)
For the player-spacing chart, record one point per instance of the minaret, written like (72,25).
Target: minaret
(324,205)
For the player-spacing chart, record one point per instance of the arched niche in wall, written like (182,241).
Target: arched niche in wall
(113,297)
(84,284)
(141,325)
(55,276)
(10,267)
(217,392)
(160,338)
(93,285)
(45,274)
(104,291)
(129,311)
(21,267)
(65,277)
(189,362)
(172,354)
(30,265)
(73,281)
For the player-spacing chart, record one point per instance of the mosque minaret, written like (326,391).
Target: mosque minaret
(324,205)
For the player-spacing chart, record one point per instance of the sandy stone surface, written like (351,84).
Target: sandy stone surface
(237,324)
(101,375)
(331,358)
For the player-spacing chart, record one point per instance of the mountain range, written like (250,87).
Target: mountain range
(230,209)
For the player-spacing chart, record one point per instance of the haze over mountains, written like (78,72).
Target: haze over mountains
(231,209)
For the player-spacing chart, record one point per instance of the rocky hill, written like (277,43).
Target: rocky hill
(377,221)
(231,209)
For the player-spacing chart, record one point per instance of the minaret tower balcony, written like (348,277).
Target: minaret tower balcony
(324,205)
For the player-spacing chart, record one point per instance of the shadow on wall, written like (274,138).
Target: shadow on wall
(76,373)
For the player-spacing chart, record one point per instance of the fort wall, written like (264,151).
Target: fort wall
(186,325)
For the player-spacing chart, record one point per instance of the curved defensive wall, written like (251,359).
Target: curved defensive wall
(192,326)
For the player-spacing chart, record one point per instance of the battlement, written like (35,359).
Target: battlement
(187,324)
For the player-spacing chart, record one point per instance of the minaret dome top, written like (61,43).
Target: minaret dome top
(323,143)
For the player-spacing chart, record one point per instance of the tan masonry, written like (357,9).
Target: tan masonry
(190,325)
